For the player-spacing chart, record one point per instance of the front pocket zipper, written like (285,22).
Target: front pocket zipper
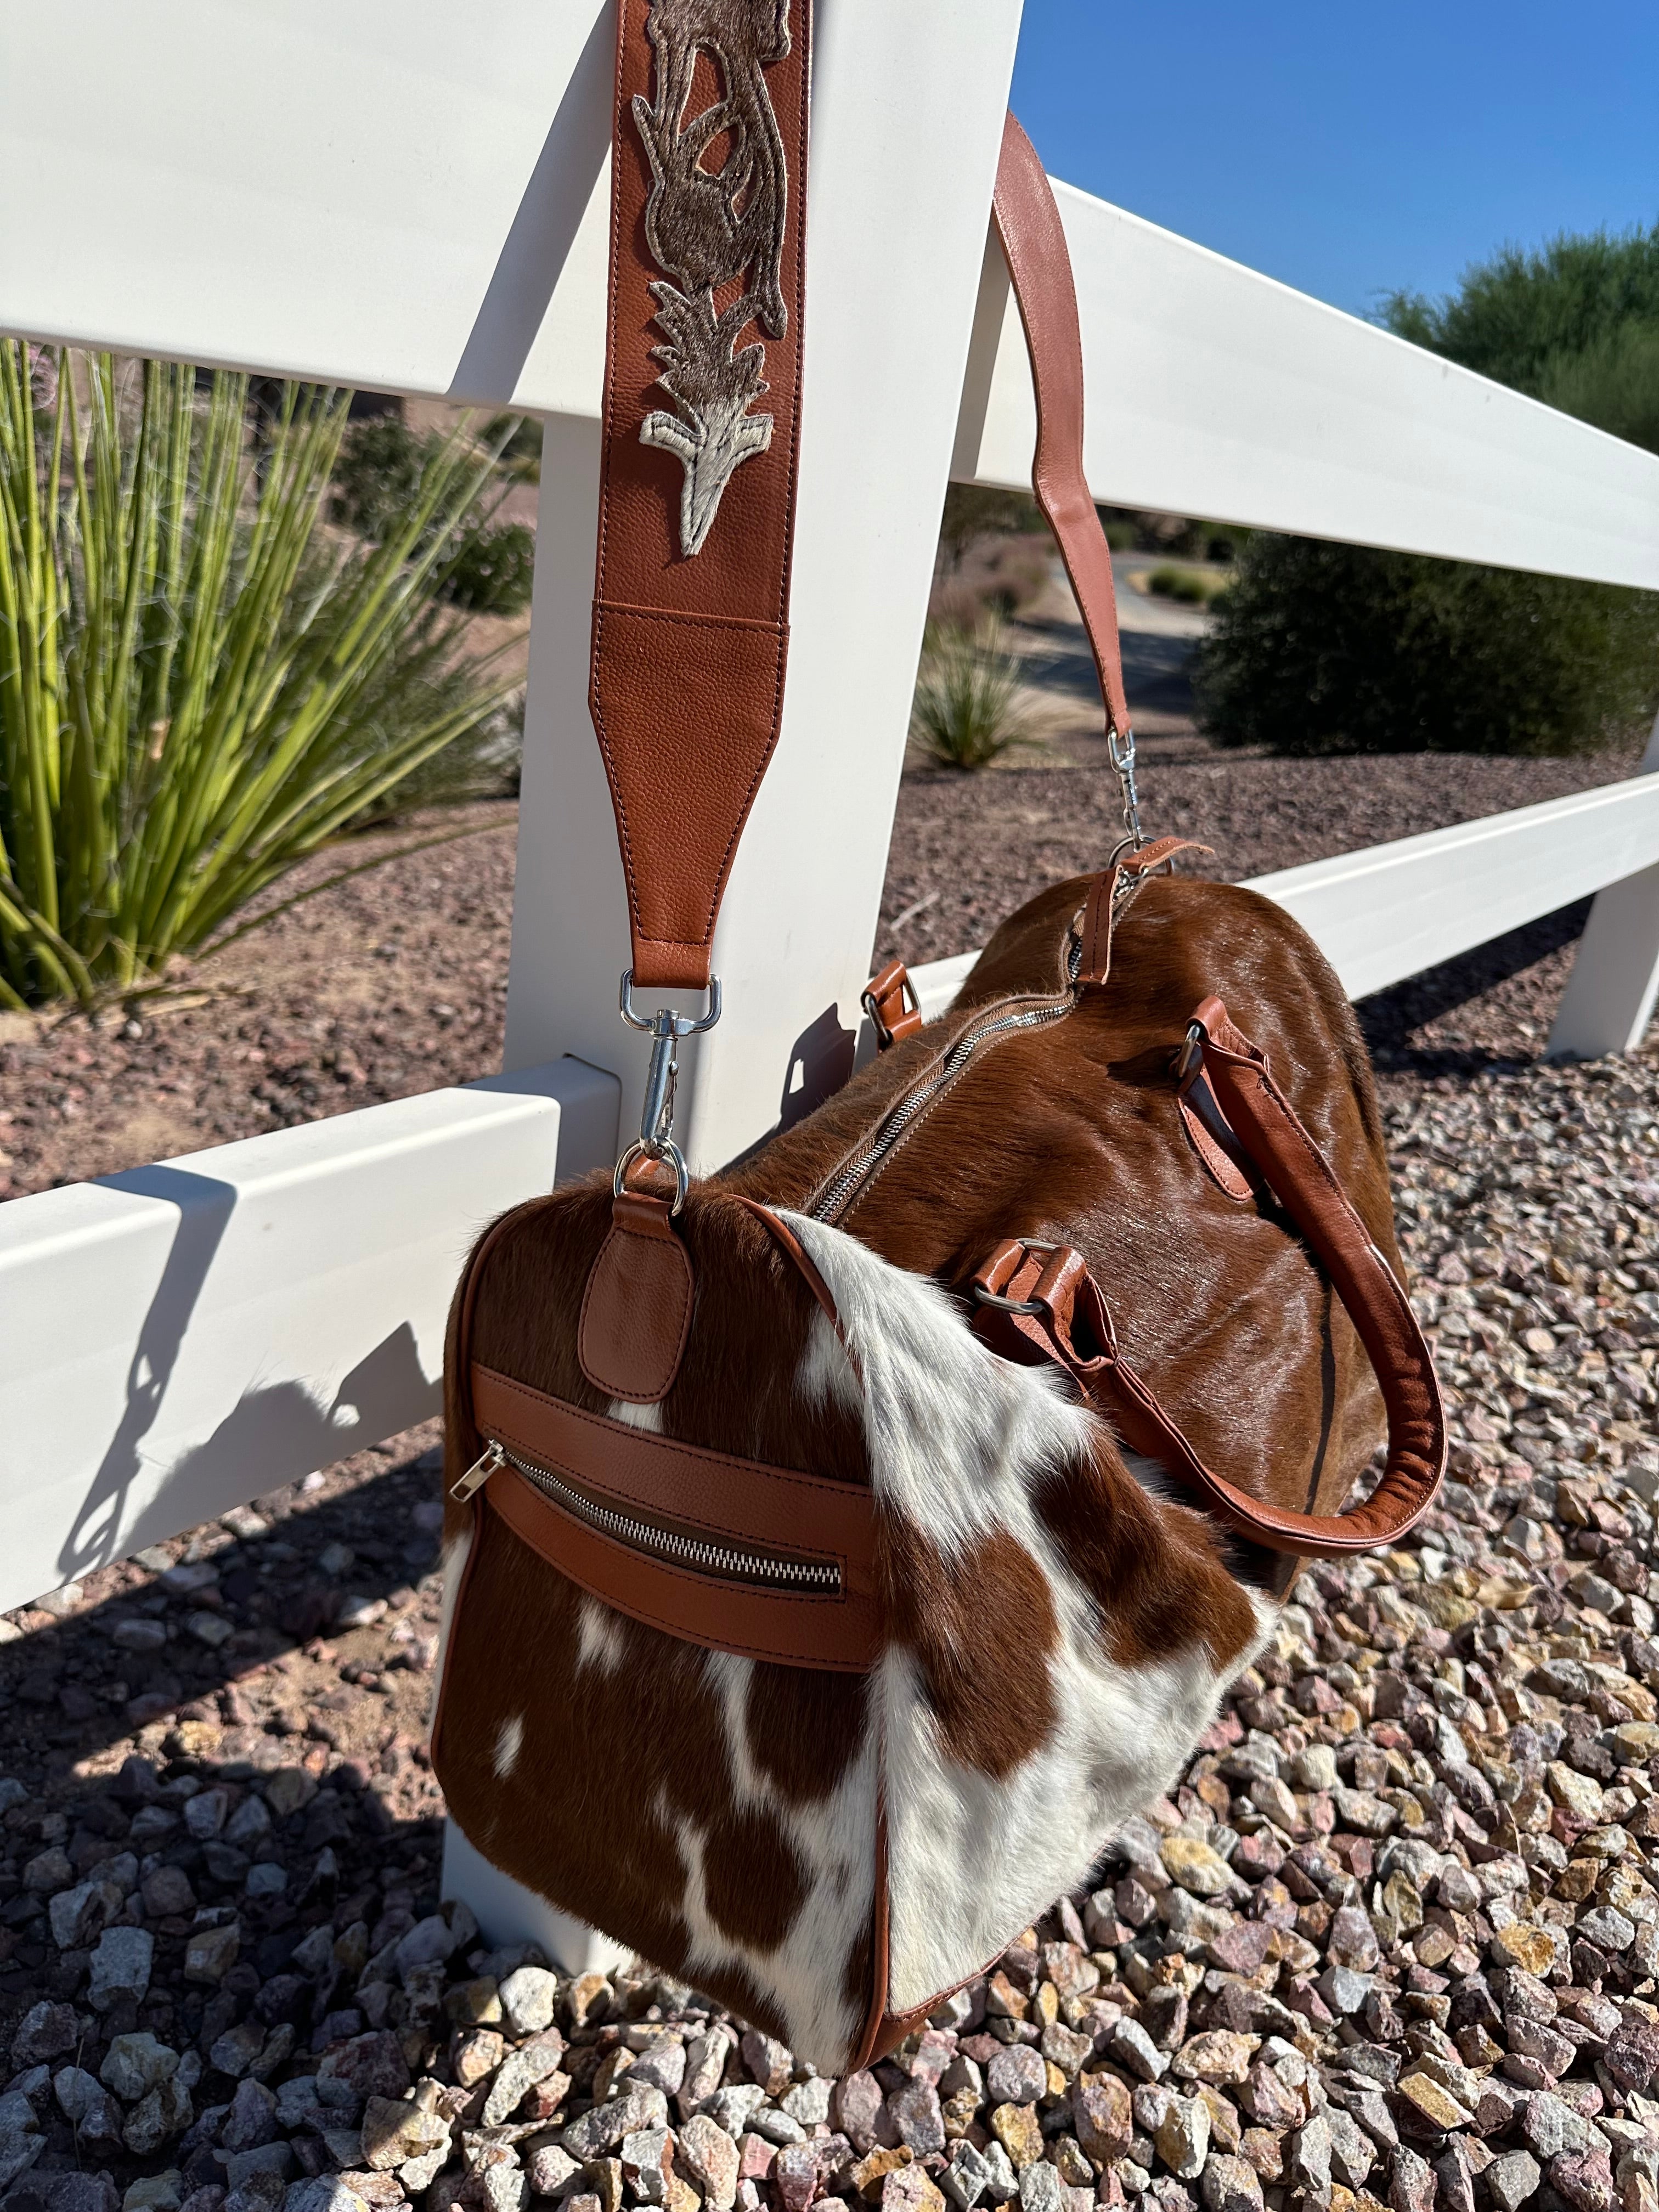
(771,1570)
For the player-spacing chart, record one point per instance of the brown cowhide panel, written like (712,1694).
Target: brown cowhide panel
(718,1814)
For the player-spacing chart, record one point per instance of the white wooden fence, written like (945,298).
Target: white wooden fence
(383,196)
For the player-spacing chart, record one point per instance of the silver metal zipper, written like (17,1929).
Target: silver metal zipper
(837,1193)
(706,1557)
(478,1474)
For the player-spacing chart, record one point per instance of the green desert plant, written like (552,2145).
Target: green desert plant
(965,714)
(200,683)
(1323,648)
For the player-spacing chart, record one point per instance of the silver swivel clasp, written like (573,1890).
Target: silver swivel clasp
(665,1028)
(1122,752)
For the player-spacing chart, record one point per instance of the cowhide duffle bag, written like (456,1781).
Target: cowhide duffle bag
(842,1545)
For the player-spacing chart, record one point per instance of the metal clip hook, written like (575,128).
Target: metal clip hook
(1122,752)
(665,1028)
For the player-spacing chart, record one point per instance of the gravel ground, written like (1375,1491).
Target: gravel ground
(1393,1938)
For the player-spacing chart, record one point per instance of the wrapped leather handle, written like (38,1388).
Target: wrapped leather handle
(1048,1294)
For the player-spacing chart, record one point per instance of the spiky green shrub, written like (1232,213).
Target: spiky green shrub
(965,713)
(200,682)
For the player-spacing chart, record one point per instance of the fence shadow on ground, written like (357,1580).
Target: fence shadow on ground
(68,1692)
(1391,1019)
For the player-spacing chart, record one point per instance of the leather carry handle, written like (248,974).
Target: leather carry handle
(698,477)
(1048,1295)
(1034,246)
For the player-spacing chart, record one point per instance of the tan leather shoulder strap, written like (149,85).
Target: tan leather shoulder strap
(1034,244)
(698,477)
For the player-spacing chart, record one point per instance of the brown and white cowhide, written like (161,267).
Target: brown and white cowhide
(1057,1636)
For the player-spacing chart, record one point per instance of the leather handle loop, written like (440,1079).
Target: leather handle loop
(1058,1310)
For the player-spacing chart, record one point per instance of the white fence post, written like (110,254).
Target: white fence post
(907,119)
(1610,993)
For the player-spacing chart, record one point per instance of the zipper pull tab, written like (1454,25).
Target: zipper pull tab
(478,1474)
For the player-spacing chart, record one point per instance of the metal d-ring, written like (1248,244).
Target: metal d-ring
(639,1150)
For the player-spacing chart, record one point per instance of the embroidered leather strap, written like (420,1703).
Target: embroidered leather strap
(697,483)
(1046,1294)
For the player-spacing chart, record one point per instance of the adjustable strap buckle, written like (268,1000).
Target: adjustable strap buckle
(1029,1277)
(665,1028)
(1026,1276)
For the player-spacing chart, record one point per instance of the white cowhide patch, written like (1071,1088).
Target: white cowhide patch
(958,1442)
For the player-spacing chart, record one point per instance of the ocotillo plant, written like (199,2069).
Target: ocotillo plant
(201,681)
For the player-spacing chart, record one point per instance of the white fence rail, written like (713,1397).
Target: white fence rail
(362,196)
(185,1337)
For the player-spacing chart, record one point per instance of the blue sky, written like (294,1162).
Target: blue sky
(1345,150)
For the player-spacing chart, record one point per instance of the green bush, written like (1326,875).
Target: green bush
(1323,648)
(965,714)
(517,442)
(491,569)
(199,684)
(1196,588)
(381,464)
(1511,315)
(1614,383)
(973,511)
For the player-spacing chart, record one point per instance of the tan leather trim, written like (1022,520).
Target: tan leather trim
(889,1000)
(739,1501)
(869,2044)
(789,1629)
(636,1304)
(1205,1130)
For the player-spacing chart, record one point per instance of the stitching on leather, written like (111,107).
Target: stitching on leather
(634,1397)
(814,1484)
(655,1620)
(763,624)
